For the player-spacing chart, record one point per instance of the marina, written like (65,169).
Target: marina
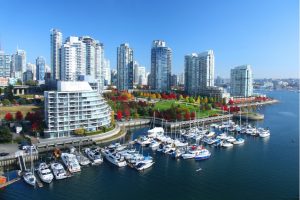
(136,162)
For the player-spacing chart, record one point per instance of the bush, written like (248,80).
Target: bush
(5,134)
(6,102)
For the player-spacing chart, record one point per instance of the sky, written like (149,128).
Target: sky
(262,33)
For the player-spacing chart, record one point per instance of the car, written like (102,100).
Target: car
(4,154)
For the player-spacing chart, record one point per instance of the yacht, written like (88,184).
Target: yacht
(153,133)
(154,144)
(178,152)
(144,141)
(94,155)
(144,164)
(202,154)
(71,162)
(44,173)
(83,161)
(178,143)
(230,139)
(239,141)
(263,132)
(114,158)
(226,144)
(29,178)
(117,147)
(58,171)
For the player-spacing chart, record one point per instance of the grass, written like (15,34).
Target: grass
(13,109)
(166,104)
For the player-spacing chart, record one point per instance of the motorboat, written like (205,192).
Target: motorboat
(153,133)
(44,173)
(239,141)
(83,161)
(117,147)
(29,178)
(94,155)
(144,164)
(210,134)
(178,143)
(167,148)
(230,139)
(263,132)
(71,162)
(144,141)
(226,144)
(202,154)
(154,144)
(58,171)
(114,158)
(222,136)
(178,152)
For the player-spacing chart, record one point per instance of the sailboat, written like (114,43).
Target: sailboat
(29,176)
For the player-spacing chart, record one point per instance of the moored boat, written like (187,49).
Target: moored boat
(44,173)
(58,171)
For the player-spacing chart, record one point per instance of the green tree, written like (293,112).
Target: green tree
(79,131)
(31,83)
(5,134)
(6,102)
(8,92)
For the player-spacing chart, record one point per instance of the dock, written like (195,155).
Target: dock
(9,182)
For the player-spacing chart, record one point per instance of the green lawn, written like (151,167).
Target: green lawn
(166,104)
(13,109)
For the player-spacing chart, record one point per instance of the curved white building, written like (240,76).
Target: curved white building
(74,105)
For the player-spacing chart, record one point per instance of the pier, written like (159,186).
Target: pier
(15,159)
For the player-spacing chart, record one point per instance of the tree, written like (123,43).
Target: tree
(187,115)
(6,102)
(5,134)
(193,115)
(179,116)
(8,117)
(119,115)
(79,131)
(8,92)
(198,100)
(180,97)
(127,113)
(22,101)
(19,116)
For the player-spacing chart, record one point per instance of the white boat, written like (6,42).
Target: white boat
(144,164)
(153,133)
(58,171)
(29,178)
(45,173)
(114,158)
(188,155)
(222,136)
(239,141)
(83,161)
(210,134)
(117,147)
(71,162)
(154,144)
(144,141)
(178,143)
(202,154)
(263,132)
(226,144)
(94,155)
(168,148)
(230,139)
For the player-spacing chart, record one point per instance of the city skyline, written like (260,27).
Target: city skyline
(268,30)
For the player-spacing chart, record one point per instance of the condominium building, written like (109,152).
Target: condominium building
(125,67)
(161,66)
(55,55)
(199,72)
(73,106)
(241,81)
(73,59)
(5,62)
(106,72)
(18,64)
(40,68)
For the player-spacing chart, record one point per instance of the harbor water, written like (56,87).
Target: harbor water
(259,169)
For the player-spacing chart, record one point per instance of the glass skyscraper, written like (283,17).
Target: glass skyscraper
(55,55)
(40,68)
(124,67)
(161,66)
(241,81)
(5,62)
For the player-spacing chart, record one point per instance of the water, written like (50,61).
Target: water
(259,169)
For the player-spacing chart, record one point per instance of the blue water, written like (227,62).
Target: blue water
(259,169)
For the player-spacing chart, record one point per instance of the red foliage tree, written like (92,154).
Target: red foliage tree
(19,116)
(127,113)
(193,115)
(34,126)
(231,102)
(119,115)
(29,117)
(8,117)
(187,116)
(179,116)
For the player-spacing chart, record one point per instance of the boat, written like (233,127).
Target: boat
(144,141)
(71,162)
(202,154)
(154,144)
(117,147)
(83,161)
(29,178)
(263,132)
(226,144)
(94,155)
(58,171)
(239,141)
(153,133)
(178,143)
(114,158)
(144,164)
(177,153)
(230,139)
(44,173)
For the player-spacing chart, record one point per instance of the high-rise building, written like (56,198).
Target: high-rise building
(55,55)
(27,76)
(125,67)
(181,79)
(114,77)
(142,76)
(18,64)
(161,66)
(5,62)
(73,106)
(241,81)
(94,58)
(40,68)
(31,67)
(174,80)
(135,72)
(106,72)
(73,59)
(199,72)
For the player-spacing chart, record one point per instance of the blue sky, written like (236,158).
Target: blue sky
(263,33)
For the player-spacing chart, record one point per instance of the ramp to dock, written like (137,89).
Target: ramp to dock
(22,163)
